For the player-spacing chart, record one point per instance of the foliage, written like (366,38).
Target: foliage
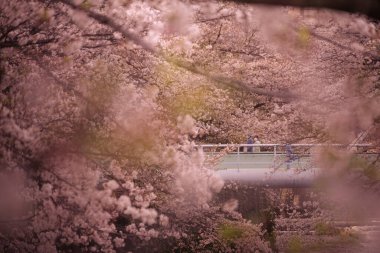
(322,228)
(102,102)
(295,245)
(229,232)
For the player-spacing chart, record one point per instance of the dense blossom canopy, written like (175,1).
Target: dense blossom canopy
(104,102)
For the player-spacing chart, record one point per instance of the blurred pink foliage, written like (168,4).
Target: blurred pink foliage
(103,102)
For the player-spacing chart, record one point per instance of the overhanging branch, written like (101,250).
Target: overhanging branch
(222,80)
(371,8)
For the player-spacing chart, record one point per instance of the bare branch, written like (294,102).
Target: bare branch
(214,18)
(218,35)
(371,8)
(344,47)
(104,20)
(230,82)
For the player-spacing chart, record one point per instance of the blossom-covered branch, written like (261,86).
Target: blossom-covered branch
(371,8)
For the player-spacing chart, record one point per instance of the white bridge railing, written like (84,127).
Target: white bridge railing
(276,154)
(274,165)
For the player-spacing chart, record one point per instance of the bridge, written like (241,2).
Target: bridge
(272,165)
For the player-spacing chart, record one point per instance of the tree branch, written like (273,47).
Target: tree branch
(214,18)
(226,81)
(104,20)
(371,8)
(345,47)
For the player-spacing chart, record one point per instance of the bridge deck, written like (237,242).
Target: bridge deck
(266,160)
(261,161)
(270,169)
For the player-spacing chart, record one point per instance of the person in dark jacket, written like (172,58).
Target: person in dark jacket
(249,141)
(289,155)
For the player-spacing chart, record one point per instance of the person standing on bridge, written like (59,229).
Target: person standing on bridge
(256,140)
(289,155)
(249,141)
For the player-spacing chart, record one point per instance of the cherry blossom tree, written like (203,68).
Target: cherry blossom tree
(102,102)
